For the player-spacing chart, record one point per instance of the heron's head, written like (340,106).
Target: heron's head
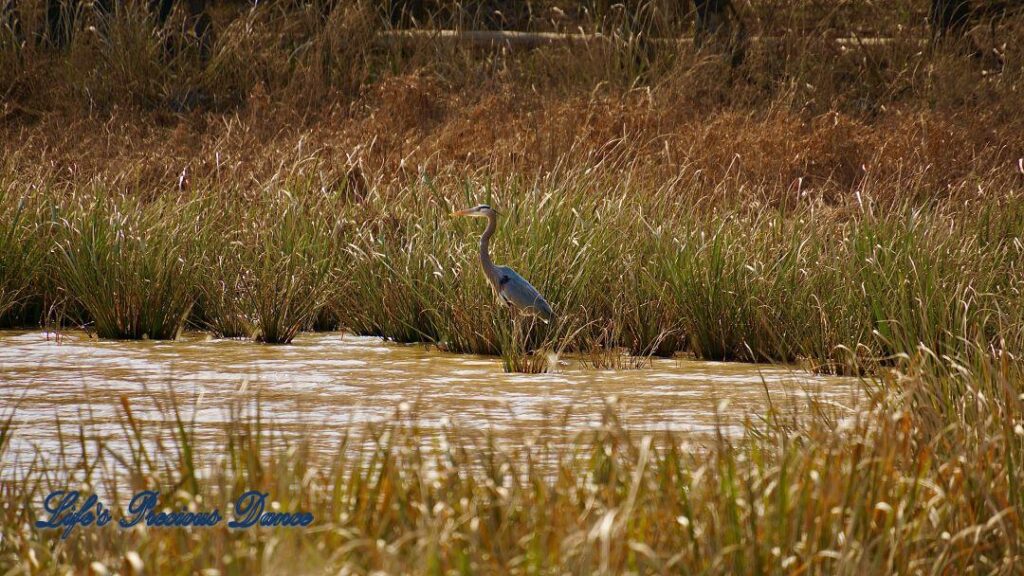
(481,211)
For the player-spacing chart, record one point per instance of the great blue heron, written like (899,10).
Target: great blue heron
(508,286)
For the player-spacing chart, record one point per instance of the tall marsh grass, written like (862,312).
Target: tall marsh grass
(775,286)
(286,252)
(836,289)
(130,265)
(22,246)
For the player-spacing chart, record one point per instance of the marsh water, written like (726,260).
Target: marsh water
(324,381)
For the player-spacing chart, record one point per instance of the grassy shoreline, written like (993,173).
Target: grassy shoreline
(625,269)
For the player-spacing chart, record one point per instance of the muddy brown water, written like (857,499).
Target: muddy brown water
(324,382)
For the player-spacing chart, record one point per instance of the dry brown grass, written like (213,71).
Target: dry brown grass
(409,125)
(801,119)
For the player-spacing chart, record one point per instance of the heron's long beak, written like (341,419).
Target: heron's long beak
(461,212)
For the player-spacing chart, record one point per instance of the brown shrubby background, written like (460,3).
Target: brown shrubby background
(800,117)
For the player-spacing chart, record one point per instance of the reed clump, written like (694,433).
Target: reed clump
(285,272)
(22,248)
(131,266)
(221,308)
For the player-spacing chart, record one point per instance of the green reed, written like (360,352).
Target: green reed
(285,268)
(837,290)
(222,310)
(22,248)
(129,264)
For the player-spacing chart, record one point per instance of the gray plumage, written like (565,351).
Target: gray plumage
(507,284)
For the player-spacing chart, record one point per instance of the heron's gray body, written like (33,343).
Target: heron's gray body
(509,287)
(515,291)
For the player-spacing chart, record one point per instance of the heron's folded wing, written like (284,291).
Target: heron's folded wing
(515,289)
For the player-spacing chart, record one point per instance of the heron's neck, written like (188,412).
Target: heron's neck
(485,240)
